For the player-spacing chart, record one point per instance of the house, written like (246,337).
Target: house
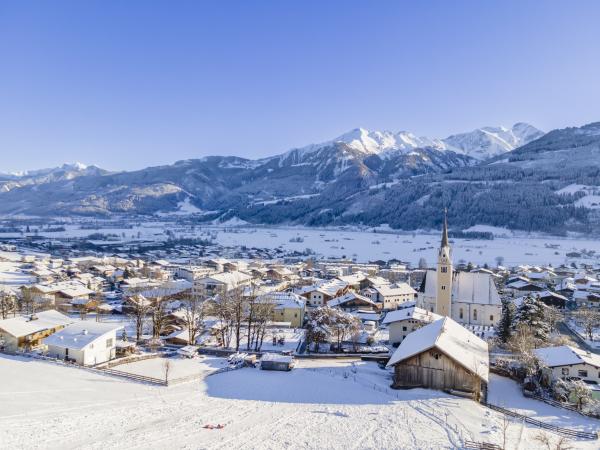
(552,299)
(351,301)
(567,362)
(25,333)
(320,294)
(391,296)
(221,283)
(585,299)
(86,343)
(287,307)
(468,297)
(442,355)
(404,321)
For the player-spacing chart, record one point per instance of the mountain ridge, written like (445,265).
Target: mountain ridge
(337,183)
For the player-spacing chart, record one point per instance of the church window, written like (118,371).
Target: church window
(460,313)
(474,314)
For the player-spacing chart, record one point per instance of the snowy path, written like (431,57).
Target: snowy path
(321,404)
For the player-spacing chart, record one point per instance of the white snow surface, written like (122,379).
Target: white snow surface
(320,405)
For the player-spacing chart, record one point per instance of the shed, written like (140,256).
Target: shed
(275,361)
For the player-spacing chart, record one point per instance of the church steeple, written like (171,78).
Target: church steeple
(445,229)
(444,274)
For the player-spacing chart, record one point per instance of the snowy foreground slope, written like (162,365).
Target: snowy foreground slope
(314,406)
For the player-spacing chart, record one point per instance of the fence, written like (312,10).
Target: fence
(135,377)
(481,446)
(558,430)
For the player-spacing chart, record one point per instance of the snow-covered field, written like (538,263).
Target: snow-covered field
(321,404)
(370,246)
(178,367)
(363,245)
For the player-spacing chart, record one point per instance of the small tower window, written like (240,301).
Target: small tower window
(443,287)
(474,314)
(460,313)
(444,269)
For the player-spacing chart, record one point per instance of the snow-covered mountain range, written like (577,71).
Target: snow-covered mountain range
(480,144)
(512,177)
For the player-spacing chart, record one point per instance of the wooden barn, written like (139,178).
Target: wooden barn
(442,355)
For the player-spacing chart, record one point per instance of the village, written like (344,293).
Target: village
(518,346)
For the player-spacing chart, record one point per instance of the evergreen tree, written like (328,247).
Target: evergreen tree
(531,314)
(505,327)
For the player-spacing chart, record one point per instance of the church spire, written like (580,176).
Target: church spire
(445,230)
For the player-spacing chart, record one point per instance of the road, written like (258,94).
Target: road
(564,330)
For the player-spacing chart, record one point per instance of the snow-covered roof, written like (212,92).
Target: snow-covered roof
(230,279)
(467,287)
(276,357)
(24,325)
(566,356)
(348,297)
(399,289)
(79,334)
(414,313)
(479,288)
(284,300)
(450,338)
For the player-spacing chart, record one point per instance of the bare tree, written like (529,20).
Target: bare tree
(237,306)
(193,309)
(561,443)
(589,319)
(166,369)
(27,301)
(158,313)
(522,342)
(262,313)
(140,307)
(8,304)
(553,316)
(505,424)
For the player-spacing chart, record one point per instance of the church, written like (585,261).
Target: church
(467,297)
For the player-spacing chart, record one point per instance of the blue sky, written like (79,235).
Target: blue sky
(129,84)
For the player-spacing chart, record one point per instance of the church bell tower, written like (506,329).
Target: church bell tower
(443,298)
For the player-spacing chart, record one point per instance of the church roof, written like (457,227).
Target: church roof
(445,231)
(467,287)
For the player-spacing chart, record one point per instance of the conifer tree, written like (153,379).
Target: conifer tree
(531,314)
(505,327)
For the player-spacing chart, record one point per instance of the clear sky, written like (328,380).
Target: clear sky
(128,84)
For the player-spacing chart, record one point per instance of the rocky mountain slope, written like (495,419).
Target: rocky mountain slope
(361,177)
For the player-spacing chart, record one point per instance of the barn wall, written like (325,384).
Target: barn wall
(432,369)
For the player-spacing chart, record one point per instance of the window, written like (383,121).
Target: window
(109,343)
(582,373)
(460,313)
(491,318)
(443,287)
(565,371)
(403,328)
(444,269)
(474,314)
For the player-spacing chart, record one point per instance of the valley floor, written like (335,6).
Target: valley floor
(320,404)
